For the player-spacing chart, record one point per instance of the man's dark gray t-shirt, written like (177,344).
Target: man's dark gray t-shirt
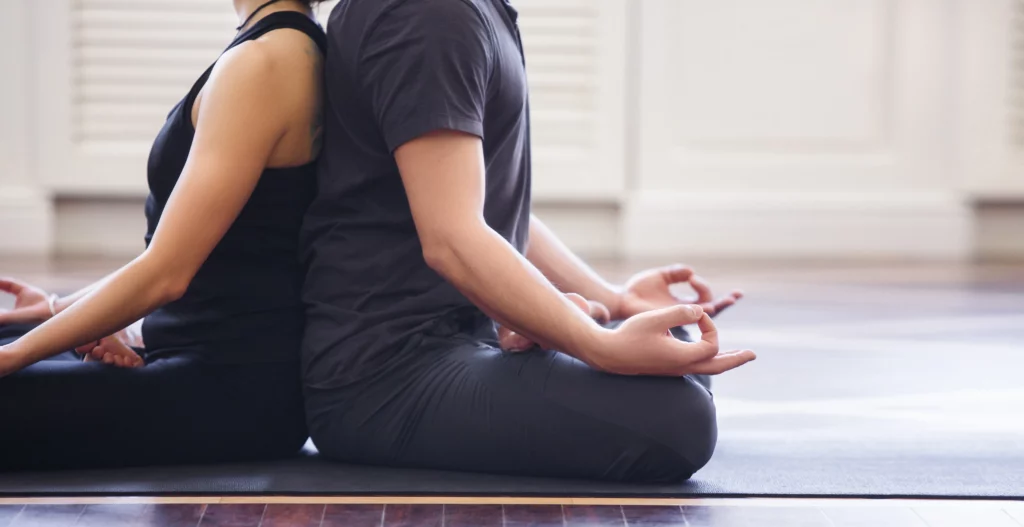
(396,70)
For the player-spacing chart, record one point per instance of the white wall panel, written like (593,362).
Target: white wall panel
(989,83)
(812,127)
(26,214)
(752,76)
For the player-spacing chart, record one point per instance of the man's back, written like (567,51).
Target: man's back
(395,70)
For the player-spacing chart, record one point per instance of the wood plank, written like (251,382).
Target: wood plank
(963,516)
(413,515)
(873,517)
(593,515)
(534,516)
(473,516)
(172,515)
(656,516)
(117,515)
(48,516)
(232,515)
(293,515)
(510,500)
(353,516)
(754,516)
(8,512)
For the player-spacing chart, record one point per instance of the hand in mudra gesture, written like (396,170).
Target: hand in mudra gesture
(31,303)
(651,289)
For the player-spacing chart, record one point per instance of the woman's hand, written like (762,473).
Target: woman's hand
(651,289)
(9,362)
(511,341)
(111,350)
(31,304)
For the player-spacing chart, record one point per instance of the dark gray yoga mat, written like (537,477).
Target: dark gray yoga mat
(777,470)
(799,421)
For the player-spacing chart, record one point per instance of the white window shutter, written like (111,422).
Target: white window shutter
(133,60)
(107,82)
(575,56)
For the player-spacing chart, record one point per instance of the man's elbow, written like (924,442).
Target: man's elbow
(445,247)
(440,254)
(447,244)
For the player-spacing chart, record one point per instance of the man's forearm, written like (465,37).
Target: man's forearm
(566,270)
(485,268)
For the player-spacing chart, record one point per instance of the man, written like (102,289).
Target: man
(421,239)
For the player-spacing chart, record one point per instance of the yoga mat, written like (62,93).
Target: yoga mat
(800,421)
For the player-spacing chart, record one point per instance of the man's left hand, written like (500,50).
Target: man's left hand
(651,289)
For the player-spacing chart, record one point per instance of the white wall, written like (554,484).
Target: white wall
(828,128)
(803,127)
(26,218)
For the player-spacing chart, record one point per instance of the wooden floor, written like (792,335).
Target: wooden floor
(820,300)
(756,513)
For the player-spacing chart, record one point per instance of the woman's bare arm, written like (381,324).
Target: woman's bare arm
(239,124)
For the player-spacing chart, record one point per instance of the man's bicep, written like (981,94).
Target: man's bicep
(443,175)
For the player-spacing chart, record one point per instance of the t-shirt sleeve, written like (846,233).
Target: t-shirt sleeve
(424,66)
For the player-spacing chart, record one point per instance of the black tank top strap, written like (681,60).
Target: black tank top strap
(273,21)
(284,20)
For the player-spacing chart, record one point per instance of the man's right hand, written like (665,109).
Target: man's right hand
(642,345)
(30,303)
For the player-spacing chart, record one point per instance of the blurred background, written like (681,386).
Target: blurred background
(857,166)
(750,129)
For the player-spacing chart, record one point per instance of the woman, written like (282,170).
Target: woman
(230,176)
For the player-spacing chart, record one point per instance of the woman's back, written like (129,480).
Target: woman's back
(243,304)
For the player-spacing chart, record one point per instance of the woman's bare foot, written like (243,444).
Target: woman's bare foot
(111,350)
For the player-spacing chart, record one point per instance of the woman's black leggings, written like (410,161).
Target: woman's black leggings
(459,403)
(64,413)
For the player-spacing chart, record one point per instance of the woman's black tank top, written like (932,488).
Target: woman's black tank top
(244,303)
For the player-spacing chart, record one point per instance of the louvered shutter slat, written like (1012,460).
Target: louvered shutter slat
(135,59)
(559,39)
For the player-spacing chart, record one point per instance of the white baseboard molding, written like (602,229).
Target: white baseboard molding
(26,221)
(785,225)
(94,226)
